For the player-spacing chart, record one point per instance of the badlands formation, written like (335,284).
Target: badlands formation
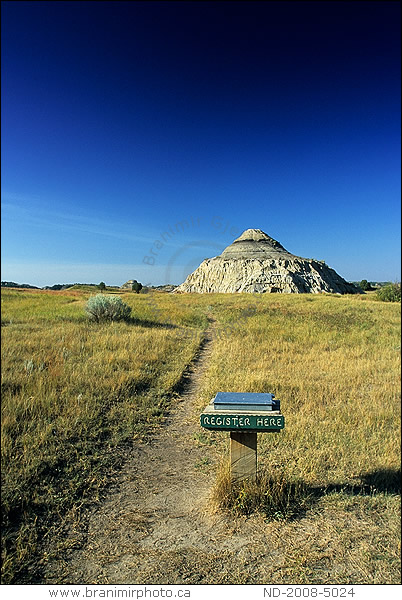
(255,262)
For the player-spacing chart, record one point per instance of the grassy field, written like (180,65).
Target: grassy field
(77,394)
(74,394)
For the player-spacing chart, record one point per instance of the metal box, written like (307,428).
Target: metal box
(245,401)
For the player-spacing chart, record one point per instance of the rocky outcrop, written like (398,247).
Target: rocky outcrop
(255,262)
(128,285)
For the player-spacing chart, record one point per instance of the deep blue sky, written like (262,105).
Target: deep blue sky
(125,120)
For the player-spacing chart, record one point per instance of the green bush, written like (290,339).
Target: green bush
(390,293)
(365,286)
(136,286)
(107,308)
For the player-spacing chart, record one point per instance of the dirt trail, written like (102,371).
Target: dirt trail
(156,526)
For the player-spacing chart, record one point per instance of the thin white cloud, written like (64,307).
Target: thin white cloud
(70,222)
(38,216)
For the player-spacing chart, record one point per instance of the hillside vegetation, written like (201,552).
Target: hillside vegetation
(78,394)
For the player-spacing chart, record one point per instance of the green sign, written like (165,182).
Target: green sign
(242,422)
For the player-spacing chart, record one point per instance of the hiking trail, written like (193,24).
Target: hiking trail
(155,526)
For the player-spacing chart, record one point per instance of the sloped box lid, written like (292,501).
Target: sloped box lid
(245,401)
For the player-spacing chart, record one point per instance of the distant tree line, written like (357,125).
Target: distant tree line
(18,285)
(372,285)
(64,286)
(56,286)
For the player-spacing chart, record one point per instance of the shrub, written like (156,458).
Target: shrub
(136,286)
(366,286)
(107,308)
(390,293)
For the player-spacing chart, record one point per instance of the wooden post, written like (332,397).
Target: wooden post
(243,455)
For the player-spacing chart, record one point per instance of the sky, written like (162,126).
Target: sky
(139,138)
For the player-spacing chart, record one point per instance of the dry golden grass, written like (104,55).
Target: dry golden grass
(335,364)
(76,394)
